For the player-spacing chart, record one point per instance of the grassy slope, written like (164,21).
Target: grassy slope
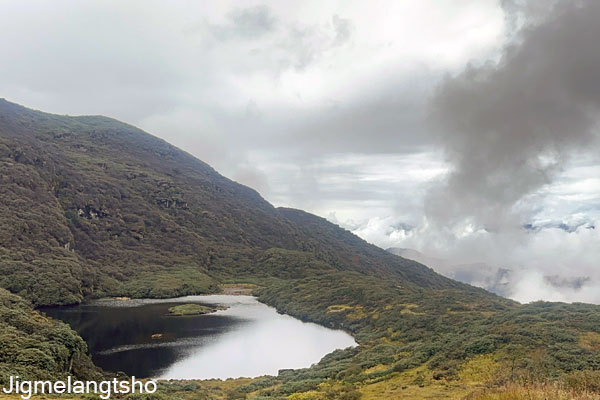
(93,207)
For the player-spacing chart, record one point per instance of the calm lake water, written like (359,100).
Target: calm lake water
(248,339)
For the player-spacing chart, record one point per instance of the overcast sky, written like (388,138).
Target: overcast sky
(463,129)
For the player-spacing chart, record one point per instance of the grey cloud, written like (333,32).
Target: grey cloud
(559,282)
(385,124)
(522,13)
(508,127)
(248,23)
(570,226)
(386,117)
(286,46)
(305,43)
(251,176)
(343,29)
(494,279)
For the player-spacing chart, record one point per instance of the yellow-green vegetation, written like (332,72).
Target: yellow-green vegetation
(407,386)
(410,309)
(478,369)
(452,343)
(376,368)
(590,341)
(190,309)
(351,312)
(534,391)
(339,308)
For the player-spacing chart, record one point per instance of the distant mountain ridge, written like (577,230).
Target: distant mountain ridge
(488,277)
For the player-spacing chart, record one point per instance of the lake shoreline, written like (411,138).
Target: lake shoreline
(256,338)
(229,289)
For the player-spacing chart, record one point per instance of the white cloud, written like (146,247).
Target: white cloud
(560,241)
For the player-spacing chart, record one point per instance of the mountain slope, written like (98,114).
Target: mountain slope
(90,204)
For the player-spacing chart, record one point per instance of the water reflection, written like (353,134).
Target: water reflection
(248,339)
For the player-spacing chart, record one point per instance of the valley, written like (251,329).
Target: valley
(95,208)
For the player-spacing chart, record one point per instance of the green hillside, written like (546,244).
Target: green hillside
(93,207)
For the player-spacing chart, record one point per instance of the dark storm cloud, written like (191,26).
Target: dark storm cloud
(508,127)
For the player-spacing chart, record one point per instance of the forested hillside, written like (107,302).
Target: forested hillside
(93,207)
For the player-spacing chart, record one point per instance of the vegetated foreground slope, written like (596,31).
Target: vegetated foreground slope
(33,346)
(93,207)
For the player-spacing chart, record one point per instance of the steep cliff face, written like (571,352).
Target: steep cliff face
(93,206)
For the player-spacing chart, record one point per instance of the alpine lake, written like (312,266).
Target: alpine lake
(197,337)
